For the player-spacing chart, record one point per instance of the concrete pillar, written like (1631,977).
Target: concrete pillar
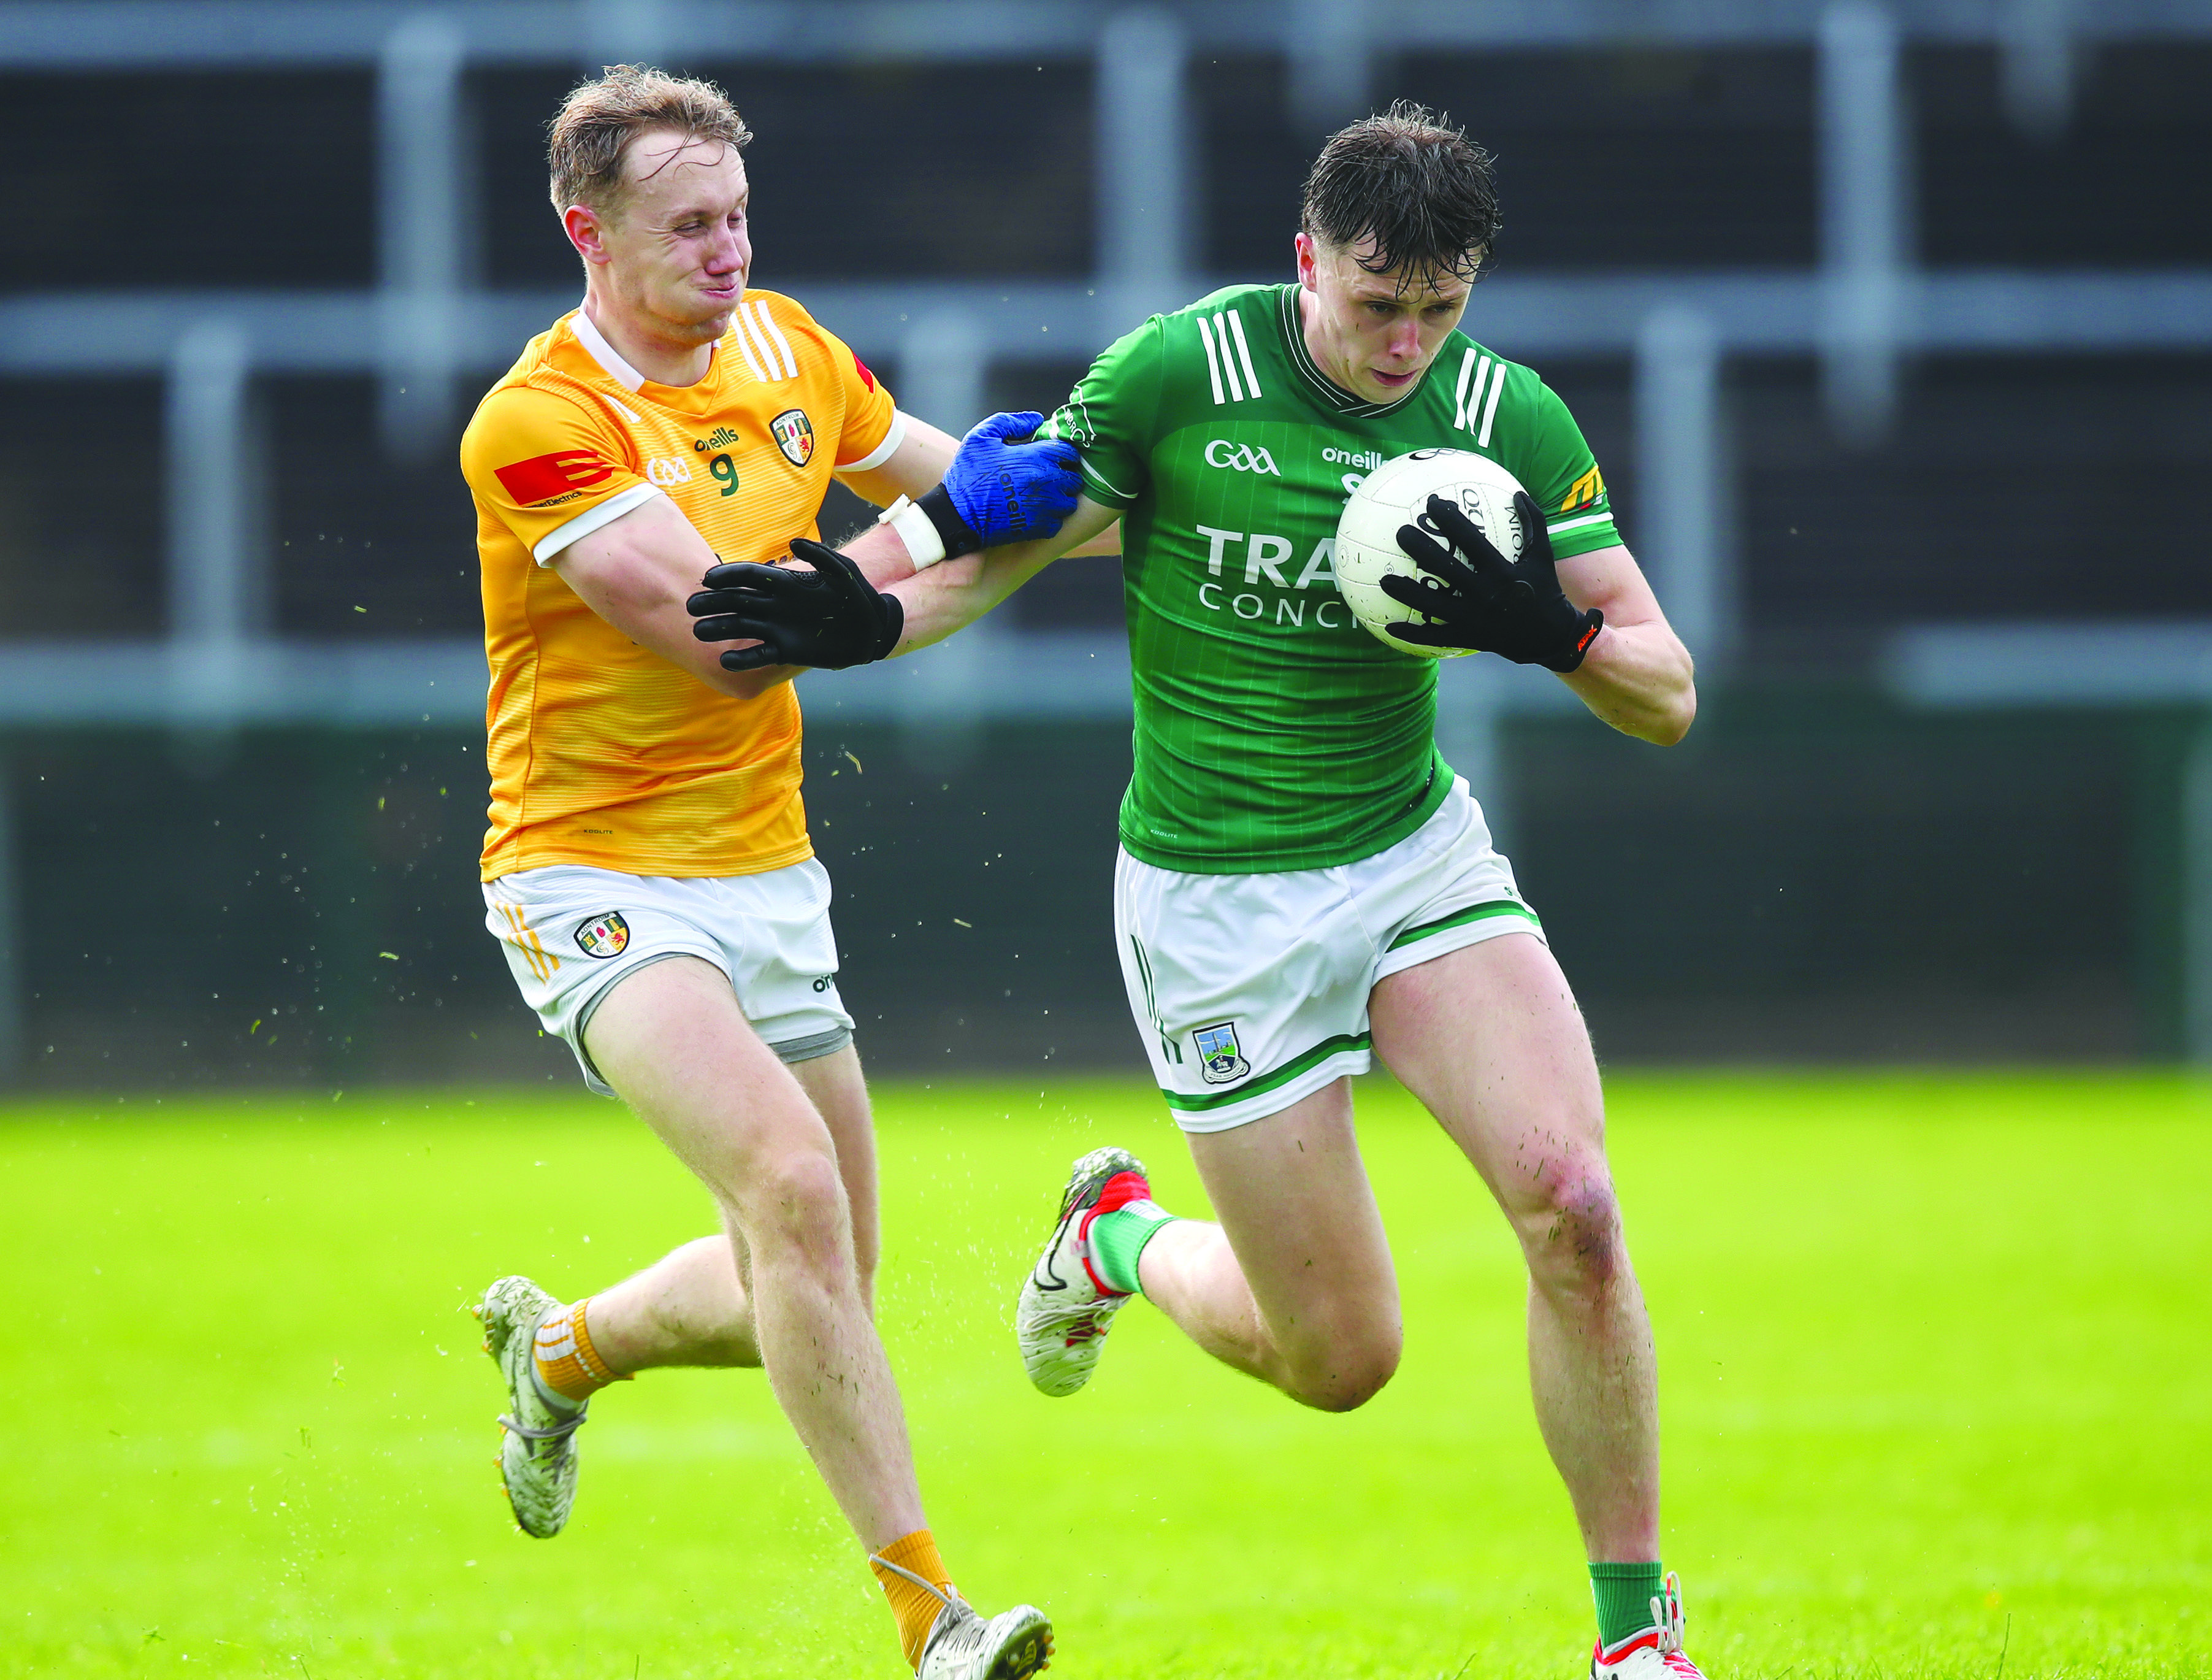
(1332,63)
(942,360)
(14,1030)
(1684,481)
(218,580)
(1865,194)
(2036,38)
(421,233)
(2196,898)
(624,31)
(1144,149)
(1470,734)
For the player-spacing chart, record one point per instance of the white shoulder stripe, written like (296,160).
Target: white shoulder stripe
(1212,367)
(1459,391)
(883,451)
(759,341)
(1490,410)
(782,343)
(1243,351)
(1482,373)
(746,349)
(1228,365)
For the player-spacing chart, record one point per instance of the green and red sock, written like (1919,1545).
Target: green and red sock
(1114,1232)
(1624,1592)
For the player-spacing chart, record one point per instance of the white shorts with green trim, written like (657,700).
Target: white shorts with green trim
(1251,991)
(570,932)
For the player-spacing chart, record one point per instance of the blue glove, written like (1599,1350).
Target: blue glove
(1003,488)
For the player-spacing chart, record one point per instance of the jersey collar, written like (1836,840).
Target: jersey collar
(1294,336)
(610,359)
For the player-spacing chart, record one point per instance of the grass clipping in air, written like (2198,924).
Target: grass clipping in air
(1934,1359)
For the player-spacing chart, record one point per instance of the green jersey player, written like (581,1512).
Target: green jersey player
(1304,883)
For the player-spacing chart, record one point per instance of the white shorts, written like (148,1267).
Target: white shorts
(570,932)
(1251,991)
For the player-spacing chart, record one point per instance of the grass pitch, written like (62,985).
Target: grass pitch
(1933,1359)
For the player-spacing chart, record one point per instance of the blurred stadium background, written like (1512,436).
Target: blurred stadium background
(1891,324)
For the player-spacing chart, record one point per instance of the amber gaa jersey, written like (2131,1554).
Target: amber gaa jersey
(602,753)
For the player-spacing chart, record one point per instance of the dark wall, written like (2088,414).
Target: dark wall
(1809,875)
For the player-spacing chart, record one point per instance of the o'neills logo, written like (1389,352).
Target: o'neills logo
(1369,458)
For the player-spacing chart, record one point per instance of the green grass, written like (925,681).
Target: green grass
(1933,1357)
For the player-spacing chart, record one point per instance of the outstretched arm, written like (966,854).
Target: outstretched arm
(919,463)
(947,597)
(1637,675)
(822,609)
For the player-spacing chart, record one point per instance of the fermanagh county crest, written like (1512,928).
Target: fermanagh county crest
(794,435)
(606,935)
(1221,1061)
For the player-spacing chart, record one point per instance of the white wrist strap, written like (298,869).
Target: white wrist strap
(923,546)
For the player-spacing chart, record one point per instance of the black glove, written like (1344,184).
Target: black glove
(827,614)
(1513,608)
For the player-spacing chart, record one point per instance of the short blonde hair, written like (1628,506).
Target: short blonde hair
(589,138)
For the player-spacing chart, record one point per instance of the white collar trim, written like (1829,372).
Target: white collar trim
(603,353)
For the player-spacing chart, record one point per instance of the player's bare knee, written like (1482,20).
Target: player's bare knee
(796,1198)
(1343,1373)
(1572,1236)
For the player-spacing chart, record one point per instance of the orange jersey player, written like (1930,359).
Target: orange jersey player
(602,752)
(646,869)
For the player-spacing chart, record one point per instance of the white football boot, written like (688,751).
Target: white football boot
(537,1446)
(1655,1653)
(1062,1314)
(961,1645)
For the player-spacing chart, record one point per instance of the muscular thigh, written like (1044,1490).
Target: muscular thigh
(672,1042)
(1291,1194)
(1490,1041)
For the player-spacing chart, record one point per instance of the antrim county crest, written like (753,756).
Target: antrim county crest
(794,435)
(603,935)
(1221,1061)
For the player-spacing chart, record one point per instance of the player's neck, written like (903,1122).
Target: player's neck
(660,359)
(1320,352)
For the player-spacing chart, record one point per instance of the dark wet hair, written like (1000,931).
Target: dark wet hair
(1415,182)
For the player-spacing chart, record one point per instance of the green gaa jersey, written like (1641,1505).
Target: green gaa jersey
(1273,733)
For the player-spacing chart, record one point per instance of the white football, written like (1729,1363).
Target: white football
(1397,493)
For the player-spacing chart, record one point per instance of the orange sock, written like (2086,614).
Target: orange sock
(917,1609)
(567,1362)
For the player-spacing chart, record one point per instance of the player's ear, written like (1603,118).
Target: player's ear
(583,226)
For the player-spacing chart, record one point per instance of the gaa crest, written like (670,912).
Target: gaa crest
(794,435)
(1220,1063)
(605,935)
